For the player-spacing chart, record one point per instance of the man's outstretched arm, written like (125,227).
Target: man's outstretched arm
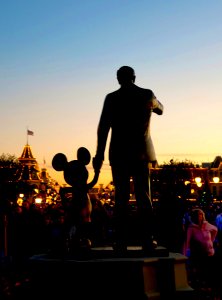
(157,106)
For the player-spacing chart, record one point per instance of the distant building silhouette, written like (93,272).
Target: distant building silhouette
(29,171)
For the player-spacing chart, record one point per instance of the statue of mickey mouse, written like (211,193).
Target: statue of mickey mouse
(76,175)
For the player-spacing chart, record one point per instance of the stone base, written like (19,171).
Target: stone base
(102,275)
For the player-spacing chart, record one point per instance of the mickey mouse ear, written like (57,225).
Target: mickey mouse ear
(59,161)
(83,155)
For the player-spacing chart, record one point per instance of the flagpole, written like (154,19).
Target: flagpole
(27,141)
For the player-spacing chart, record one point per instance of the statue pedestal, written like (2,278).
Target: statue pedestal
(166,278)
(101,275)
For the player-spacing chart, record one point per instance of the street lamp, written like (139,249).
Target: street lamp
(198,181)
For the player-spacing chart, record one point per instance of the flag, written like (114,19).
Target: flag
(29,132)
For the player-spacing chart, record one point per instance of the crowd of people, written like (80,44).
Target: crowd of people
(35,229)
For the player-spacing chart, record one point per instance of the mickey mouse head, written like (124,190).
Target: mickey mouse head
(74,172)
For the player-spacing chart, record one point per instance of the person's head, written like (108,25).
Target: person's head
(126,75)
(197,216)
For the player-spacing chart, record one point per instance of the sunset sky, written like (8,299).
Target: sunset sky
(58,60)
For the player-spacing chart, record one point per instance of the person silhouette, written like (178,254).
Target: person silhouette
(127,113)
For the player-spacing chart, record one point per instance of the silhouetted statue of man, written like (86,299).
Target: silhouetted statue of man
(127,113)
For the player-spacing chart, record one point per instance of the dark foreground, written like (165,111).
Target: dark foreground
(100,274)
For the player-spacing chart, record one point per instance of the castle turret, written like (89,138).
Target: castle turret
(29,171)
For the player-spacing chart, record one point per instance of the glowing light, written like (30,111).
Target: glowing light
(216,179)
(186,182)
(19,201)
(38,200)
(197,180)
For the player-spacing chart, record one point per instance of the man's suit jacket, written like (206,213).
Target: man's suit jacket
(127,112)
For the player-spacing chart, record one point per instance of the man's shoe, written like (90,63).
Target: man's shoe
(154,243)
(149,248)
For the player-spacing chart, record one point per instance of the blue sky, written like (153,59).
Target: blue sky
(58,60)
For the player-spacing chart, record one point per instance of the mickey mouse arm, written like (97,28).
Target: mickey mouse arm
(94,181)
